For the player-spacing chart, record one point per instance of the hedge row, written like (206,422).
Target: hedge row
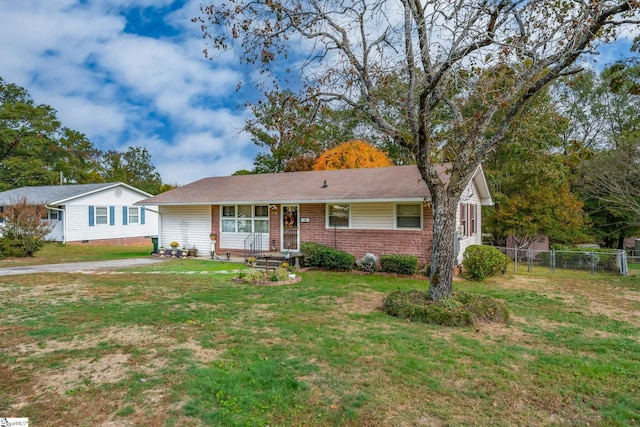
(317,255)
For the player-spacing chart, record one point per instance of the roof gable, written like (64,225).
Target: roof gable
(57,194)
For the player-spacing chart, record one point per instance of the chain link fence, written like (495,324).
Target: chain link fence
(615,261)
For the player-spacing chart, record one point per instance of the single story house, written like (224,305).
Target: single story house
(377,210)
(91,213)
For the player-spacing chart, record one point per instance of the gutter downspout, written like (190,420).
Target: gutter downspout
(159,221)
(64,223)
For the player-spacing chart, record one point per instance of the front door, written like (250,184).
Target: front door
(290,226)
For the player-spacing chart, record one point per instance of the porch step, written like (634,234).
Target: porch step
(275,259)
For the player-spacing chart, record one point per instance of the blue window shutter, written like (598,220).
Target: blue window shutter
(92,216)
(142,216)
(112,215)
(125,215)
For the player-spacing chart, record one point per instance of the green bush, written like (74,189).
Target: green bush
(368,263)
(461,310)
(254,275)
(24,232)
(481,262)
(398,263)
(317,255)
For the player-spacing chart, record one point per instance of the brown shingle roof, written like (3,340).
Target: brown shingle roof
(373,184)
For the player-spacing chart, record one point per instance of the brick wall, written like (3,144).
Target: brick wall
(356,242)
(359,242)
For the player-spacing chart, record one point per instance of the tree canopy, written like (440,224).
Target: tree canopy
(35,149)
(133,167)
(352,155)
(530,181)
(469,69)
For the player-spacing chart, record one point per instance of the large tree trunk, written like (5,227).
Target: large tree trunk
(444,207)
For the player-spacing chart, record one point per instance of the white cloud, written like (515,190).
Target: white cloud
(124,89)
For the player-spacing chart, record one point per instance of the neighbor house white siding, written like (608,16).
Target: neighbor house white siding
(78,225)
(187,225)
(56,232)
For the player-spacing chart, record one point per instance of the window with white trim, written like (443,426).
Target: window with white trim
(468,219)
(472,219)
(409,215)
(134,215)
(463,220)
(102,215)
(338,214)
(51,215)
(245,219)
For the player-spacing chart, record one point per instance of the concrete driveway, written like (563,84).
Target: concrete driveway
(76,267)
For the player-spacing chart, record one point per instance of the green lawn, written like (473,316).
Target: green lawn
(53,253)
(171,345)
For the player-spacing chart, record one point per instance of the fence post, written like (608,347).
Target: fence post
(593,262)
(529,266)
(623,262)
(515,260)
(553,260)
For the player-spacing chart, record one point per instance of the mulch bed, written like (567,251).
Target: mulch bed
(270,283)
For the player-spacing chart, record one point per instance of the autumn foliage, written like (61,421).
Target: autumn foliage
(23,230)
(352,155)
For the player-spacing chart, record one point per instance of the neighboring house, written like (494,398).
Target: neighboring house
(377,210)
(97,213)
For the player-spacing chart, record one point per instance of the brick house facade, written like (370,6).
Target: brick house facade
(381,211)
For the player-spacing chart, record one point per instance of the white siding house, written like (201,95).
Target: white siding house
(469,220)
(90,212)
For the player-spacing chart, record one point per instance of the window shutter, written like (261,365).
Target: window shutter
(125,215)
(112,215)
(92,216)
(142,216)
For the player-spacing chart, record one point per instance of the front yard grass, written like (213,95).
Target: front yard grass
(54,253)
(135,348)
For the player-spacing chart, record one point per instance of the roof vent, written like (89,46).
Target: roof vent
(325,184)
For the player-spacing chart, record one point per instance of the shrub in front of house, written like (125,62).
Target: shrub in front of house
(24,231)
(368,263)
(317,255)
(254,275)
(461,310)
(482,262)
(399,263)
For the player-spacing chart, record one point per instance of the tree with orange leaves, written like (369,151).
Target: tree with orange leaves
(352,155)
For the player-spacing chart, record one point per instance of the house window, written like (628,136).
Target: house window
(134,216)
(463,220)
(472,219)
(468,219)
(50,215)
(245,219)
(409,216)
(261,211)
(338,215)
(102,215)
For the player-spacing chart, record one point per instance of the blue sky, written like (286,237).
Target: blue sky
(132,73)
